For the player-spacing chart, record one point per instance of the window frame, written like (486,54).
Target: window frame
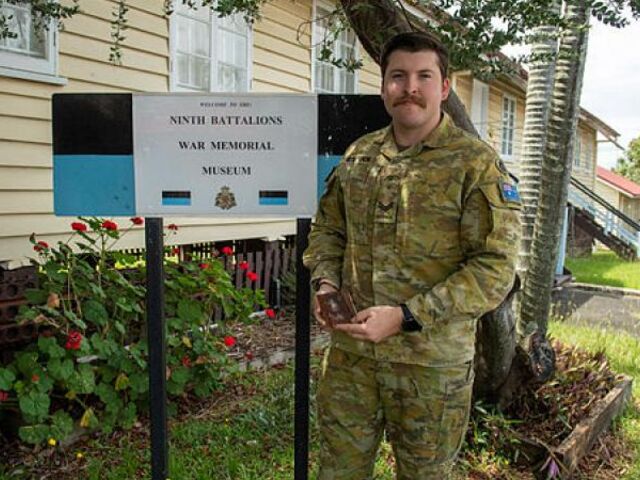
(480,100)
(23,66)
(511,155)
(315,43)
(214,22)
(577,152)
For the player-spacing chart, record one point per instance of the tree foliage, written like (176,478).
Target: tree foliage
(629,165)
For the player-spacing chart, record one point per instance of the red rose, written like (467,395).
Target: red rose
(35,378)
(172,226)
(203,266)
(109,225)
(4,396)
(227,250)
(243,265)
(74,339)
(270,312)
(40,246)
(137,220)
(229,341)
(79,227)
(252,276)
(248,356)
(186,362)
(175,250)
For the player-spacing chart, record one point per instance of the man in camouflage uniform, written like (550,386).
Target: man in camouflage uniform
(420,224)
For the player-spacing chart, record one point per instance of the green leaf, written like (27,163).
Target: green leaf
(35,406)
(190,311)
(82,380)
(36,296)
(60,369)
(76,320)
(89,419)
(6,379)
(49,346)
(128,416)
(106,393)
(27,362)
(95,312)
(139,382)
(122,382)
(34,434)
(119,326)
(62,425)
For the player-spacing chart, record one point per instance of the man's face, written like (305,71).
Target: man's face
(413,89)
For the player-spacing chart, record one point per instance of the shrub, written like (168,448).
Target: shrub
(89,364)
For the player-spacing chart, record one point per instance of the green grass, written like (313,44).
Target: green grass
(249,435)
(605,268)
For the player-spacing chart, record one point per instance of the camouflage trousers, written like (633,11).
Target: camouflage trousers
(423,410)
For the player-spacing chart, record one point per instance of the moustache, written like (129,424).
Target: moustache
(410,99)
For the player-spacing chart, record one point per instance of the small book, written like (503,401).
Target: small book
(336,307)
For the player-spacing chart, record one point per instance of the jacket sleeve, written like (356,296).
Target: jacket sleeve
(327,239)
(490,238)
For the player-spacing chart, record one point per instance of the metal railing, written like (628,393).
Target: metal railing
(613,221)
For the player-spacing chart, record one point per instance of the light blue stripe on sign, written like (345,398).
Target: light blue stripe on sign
(273,201)
(325,165)
(101,185)
(181,202)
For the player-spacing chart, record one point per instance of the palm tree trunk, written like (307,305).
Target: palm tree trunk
(541,72)
(556,167)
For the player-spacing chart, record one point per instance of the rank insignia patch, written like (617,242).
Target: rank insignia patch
(509,192)
(225,199)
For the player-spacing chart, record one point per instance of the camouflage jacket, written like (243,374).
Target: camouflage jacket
(435,226)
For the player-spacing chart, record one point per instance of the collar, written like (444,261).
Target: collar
(441,136)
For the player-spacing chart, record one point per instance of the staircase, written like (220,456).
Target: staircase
(605,222)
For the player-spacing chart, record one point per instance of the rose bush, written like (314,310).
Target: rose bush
(89,365)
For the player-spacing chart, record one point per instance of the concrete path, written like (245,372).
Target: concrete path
(595,305)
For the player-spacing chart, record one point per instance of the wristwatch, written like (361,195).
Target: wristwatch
(409,322)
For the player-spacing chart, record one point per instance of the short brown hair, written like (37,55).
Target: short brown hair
(415,42)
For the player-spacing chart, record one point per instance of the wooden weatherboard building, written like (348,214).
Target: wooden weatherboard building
(193,51)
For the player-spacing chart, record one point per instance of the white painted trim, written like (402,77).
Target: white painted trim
(32,76)
(17,65)
(315,41)
(213,83)
(512,156)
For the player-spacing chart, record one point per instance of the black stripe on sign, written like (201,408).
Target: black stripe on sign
(93,124)
(170,194)
(344,118)
(273,194)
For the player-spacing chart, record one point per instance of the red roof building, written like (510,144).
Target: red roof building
(624,185)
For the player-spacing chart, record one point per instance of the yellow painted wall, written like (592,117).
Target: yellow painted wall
(281,62)
(609,193)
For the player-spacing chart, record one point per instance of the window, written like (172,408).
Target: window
(508,125)
(327,77)
(577,146)
(209,53)
(588,156)
(33,50)
(480,108)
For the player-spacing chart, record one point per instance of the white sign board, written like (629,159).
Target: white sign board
(225,155)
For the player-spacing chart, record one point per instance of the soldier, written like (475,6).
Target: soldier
(420,223)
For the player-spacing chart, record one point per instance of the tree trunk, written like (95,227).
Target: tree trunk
(539,85)
(556,167)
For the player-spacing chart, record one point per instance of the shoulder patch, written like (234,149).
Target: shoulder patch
(509,191)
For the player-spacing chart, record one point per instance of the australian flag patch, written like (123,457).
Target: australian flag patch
(509,192)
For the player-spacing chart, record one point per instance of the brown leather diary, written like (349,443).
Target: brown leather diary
(336,307)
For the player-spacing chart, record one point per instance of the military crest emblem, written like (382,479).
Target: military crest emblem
(225,199)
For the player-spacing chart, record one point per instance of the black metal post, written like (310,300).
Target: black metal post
(303,350)
(157,349)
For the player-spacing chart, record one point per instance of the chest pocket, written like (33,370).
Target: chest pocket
(429,218)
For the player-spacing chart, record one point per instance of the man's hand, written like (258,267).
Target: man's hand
(374,324)
(324,288)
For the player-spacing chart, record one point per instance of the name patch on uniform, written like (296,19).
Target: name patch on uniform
(509,192)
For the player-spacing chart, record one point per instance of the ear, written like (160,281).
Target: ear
(446,87)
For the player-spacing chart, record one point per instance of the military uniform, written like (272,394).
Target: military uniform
(435,227)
